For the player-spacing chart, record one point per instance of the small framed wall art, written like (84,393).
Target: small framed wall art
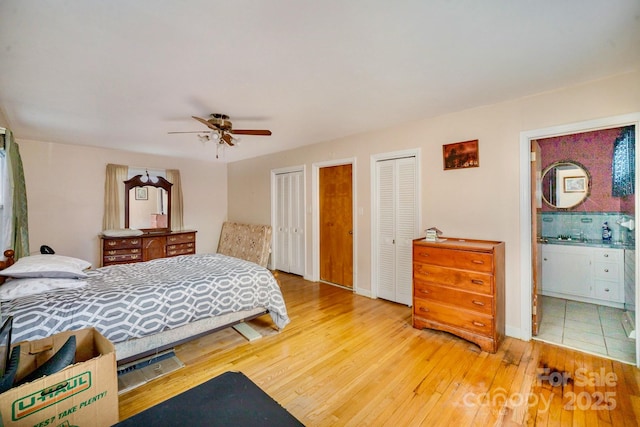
(575,184)
(141,193)
(461,155)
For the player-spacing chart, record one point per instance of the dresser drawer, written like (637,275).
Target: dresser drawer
(462,279)
(125,257)
(466,260)
(112,252)
(180,250)
(481,303)
(454,316)
(109,244)
(181,238)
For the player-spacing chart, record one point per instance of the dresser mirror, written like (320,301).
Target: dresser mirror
(565,184)
(147,203)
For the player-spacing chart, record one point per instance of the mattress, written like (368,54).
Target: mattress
(137,300)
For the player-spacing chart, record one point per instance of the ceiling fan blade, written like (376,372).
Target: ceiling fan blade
(251,132)
(227,138)
(204,122)
(193,131)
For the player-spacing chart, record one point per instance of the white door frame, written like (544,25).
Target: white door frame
(525,206)
(374,203)
(315,216)
(274,203)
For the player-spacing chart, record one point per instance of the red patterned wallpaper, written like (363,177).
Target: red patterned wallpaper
(594,150)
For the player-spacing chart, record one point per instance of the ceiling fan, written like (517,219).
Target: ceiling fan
(221,130)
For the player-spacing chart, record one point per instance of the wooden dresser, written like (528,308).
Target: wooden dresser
(120,250)
(458,287)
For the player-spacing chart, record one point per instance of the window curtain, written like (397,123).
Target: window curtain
(115,177)
(177,207)
(623,164)
(15,201)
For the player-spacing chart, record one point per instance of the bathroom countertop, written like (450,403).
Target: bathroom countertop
(586,242)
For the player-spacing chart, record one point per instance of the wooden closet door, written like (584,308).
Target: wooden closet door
(336,225)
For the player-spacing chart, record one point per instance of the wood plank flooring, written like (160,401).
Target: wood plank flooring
(348,360)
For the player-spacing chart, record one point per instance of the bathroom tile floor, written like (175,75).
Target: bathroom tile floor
(593,328)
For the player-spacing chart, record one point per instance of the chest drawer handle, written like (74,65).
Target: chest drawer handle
(477,261)
(424,291)
(477,281)
(606,255)
(476,302)
(606,270)
(424,310)
(112,243)
(479,324)
(425,254)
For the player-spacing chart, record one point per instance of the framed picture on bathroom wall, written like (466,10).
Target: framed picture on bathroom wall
(575,184)
(461,155)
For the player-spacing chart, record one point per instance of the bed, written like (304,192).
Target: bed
(150,306)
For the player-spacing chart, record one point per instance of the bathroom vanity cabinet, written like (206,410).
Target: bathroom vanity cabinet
(583,273)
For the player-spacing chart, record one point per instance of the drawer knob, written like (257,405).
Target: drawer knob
(477,261)
(476,302)
(424,254)
(424,310)
(478,323)
(606,255)
(477,282)
(606,270)
(606,289)
(424,291)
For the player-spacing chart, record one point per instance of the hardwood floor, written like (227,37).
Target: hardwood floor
(350,360)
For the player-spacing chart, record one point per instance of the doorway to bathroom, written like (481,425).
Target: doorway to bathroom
(581,291)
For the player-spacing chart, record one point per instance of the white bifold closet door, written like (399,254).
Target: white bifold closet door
(396,225)
(289,227)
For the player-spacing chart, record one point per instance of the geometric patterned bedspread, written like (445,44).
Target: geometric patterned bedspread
(134,300)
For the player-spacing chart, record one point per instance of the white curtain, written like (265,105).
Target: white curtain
(177,207)
(115,177)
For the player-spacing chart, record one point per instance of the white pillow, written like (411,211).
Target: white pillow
(16,288)
(122,232)
(53,266)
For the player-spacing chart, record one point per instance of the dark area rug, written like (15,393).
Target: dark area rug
(230,399)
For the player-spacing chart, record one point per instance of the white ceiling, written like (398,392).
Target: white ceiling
(123,73)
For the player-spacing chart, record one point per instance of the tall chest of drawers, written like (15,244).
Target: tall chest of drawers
(121,250)
(458,287)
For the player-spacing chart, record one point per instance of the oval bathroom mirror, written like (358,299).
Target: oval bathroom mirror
(565,184)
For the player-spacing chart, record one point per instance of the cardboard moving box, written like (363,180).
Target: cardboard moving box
(83,394)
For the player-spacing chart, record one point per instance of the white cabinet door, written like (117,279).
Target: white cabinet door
(566,269)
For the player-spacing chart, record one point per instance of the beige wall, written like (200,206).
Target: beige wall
(65,193)
(481,202)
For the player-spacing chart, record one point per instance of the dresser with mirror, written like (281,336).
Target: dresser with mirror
(147,220)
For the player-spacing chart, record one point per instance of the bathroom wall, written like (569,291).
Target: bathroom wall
(594,150)
(587,225)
